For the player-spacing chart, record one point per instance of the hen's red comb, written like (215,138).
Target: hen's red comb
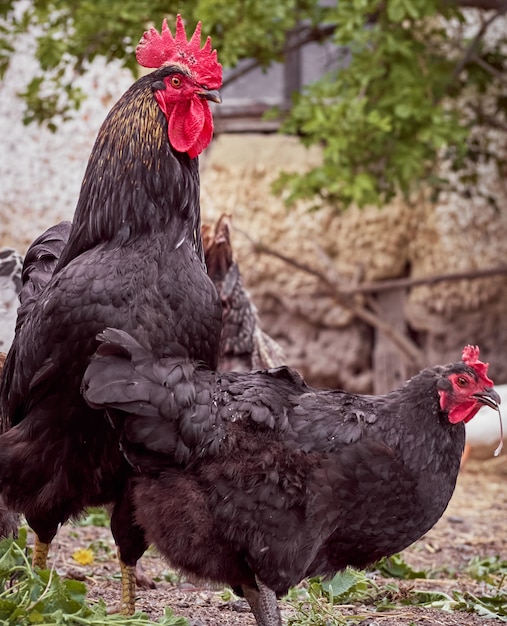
(155,50)
(470,356)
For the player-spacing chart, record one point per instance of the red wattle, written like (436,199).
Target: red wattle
(190,127)
(205,135)
(464,412)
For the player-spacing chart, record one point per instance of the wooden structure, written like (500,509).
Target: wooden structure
(250,91)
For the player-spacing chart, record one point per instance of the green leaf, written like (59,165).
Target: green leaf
(41,597)
(95,516)
(396,567)
(341,583)
(396,10)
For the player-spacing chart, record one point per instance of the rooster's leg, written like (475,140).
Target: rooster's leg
(128,588)
(40,553)
(45,529)
(263,603)
(129,538)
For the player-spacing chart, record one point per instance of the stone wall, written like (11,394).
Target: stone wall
(320,337)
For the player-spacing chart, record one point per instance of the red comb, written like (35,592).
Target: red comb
(470,356)
(155,50)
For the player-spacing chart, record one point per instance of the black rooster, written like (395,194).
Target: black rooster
(134,261)
(258,480)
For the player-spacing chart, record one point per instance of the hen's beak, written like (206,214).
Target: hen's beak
(210,94)
(489,397)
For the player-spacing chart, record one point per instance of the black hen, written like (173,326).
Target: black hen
(258,480)
(134,261)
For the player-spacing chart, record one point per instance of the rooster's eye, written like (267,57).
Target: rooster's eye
(462,381)
(175,82)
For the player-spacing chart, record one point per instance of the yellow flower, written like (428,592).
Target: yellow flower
(83,556)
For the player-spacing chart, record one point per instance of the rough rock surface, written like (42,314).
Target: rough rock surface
(319,336)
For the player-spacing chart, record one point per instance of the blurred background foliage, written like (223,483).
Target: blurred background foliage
(421,81)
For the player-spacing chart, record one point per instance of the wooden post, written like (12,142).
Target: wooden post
(389,367)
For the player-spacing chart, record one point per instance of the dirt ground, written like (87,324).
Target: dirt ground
(475,524)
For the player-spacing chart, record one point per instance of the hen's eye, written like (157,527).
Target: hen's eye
(462,381)
(175,82)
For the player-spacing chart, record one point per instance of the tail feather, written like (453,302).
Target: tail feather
(124,375)
(38,267)
(163,405)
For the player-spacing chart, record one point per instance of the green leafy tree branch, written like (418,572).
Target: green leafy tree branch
(414,83)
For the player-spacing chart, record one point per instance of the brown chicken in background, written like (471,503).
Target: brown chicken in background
(257,480)
(133,260)
(243,344)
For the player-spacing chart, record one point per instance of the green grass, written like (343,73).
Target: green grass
(29,597)
(319,603)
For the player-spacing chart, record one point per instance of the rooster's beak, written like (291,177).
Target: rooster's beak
(489,397)
(210,94)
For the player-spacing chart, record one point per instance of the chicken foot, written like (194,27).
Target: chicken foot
(143,581)
(128,576)
(263,603)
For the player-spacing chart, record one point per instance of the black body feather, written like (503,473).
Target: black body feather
(39,265)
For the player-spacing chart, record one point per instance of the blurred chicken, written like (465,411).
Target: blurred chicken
(243,345)
(21,282)
(10,285)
